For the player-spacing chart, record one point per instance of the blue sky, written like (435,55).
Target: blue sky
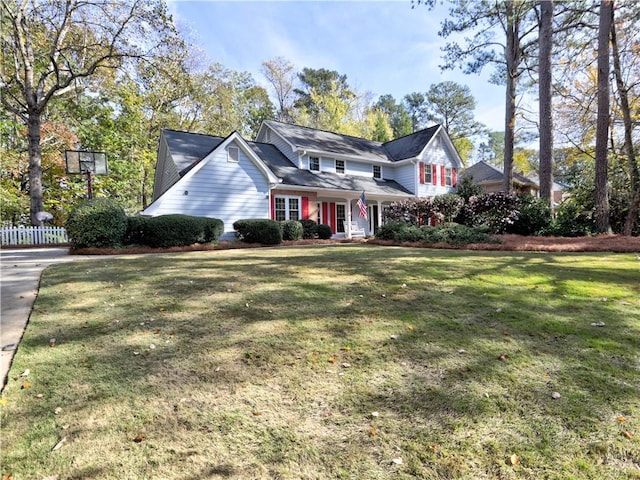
(382,46)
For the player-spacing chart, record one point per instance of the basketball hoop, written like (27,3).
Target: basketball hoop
(86,163)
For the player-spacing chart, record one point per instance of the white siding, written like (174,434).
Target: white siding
(406,176)
(220,189)
(280,144)
(436,154)
(359,168)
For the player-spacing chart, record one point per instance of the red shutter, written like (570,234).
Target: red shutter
(273,206)
(305,208)
(442,175)
(332,220)
(454,177)
(434,174)
(421,172)
(325,213)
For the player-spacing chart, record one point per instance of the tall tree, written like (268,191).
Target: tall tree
(451,105)
(319,83)
(399,117)
(545,169)
(281,75)
(515,20)
(602,123)
(623,94)
(50,46)
(415,105)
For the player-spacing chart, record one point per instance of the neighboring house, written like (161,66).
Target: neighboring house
(292,173)
(557,189)
(490,178)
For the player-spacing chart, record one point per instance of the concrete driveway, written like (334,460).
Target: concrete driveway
(20,271)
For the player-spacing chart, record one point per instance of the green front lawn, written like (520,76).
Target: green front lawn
(349,361)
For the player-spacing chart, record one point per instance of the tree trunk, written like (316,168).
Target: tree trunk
(545,172)
(35,167)
(634,175)
(511,57)
(602,126)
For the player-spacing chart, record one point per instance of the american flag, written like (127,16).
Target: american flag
(362,205)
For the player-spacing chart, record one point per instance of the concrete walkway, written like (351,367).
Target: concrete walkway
(20,271)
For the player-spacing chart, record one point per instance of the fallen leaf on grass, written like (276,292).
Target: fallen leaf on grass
(57,411)
(502,358)
(7,476)
(514,459)
(346,365)
(372,432)
(397,461)
(331,360)
(139,438)
(25,373)
(627,434)
(3,400)
(59,444)
(26,384)
(555,395)
(621,419)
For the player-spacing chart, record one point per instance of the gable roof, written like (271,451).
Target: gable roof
(410,145)
(190,148)
(482,172)
(306,138)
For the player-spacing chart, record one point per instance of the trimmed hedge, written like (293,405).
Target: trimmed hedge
(291,230)
(451,233)
(177,230)
(99,223)
(324,232)
(262,231)
(309,229)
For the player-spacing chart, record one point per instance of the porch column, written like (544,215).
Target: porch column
(347,227)
(379,213)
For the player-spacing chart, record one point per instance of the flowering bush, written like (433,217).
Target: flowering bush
(496,211)
(448,206)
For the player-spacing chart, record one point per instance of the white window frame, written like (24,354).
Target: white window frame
(341,169)
(338,218)
(287,206)
(428,173)
(448,177)
(377,168)
(231,157)
(310,164)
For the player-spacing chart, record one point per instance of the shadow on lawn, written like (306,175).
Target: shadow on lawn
(207,306)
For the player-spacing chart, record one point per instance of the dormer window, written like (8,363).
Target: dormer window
(377,171)
(233,154)
(339,166)
(314,164)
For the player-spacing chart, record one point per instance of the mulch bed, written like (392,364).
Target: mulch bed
(512,243)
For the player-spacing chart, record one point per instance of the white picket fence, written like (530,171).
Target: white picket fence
(34,235)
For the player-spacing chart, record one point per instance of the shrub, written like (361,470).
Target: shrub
(467,188)
(496,211)
(448,205)
(291,230)
(324,232)
(212,229)
(309,229)
(100,223)
(262,231)
(455,234)
(136,227)
(392,230)
(571,221)
(415,211)
(534,216)
(175,230)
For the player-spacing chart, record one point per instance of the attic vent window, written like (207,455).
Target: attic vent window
(377,171)
(233,154)
(339,166)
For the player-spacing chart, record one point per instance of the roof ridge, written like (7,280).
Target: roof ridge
(413,133)
(325,131)
(193,133)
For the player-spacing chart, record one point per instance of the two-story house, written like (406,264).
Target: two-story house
(292,173)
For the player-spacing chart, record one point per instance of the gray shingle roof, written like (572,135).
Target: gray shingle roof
(319,140)
(187,149)
(410,145)
(482,172)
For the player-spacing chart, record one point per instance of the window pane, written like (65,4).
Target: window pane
(294,209)
(314,163)
(340,166)
(376,171)
(341,216)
